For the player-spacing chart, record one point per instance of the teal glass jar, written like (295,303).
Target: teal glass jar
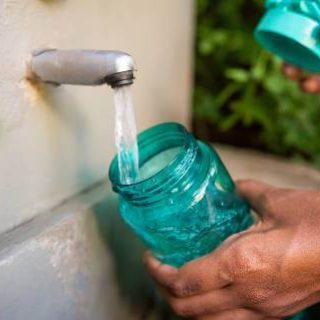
(291,30)
(184,203)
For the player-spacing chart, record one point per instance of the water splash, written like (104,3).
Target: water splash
(126,136)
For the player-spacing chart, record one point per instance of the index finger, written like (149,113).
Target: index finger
(194,278)
(163,274)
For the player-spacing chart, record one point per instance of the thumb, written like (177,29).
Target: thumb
(255,193)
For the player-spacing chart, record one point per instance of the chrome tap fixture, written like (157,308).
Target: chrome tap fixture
(82,67)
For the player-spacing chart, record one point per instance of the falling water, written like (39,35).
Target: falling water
(126,136)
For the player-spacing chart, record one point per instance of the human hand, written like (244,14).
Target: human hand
(267,272)
(308,83)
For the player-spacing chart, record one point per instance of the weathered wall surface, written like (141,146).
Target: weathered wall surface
(60,268)
(55,142)
(59,259)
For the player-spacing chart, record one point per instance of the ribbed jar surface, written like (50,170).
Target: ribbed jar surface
(184,204)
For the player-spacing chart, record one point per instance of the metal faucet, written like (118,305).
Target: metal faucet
(82,67)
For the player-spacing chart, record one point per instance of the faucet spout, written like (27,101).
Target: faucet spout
(82,67)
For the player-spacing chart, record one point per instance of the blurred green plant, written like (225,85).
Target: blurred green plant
(237,84)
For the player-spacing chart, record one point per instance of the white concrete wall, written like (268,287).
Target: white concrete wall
(55,142)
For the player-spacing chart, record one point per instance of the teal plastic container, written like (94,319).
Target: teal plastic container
(184,204)
(290,29)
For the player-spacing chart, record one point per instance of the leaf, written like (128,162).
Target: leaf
(238,75)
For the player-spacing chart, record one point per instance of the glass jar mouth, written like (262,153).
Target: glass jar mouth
(151,142)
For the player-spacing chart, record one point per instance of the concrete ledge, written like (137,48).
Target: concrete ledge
(57,267)
(278,171)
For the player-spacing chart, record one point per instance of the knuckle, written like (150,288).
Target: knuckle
(258,297)
(176,289)
(248,260)
(242,263)
(182,289)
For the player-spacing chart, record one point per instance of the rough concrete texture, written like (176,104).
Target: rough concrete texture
(55,142)
(64,272)
(80,262)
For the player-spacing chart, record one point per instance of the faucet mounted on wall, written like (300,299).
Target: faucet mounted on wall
(82,67)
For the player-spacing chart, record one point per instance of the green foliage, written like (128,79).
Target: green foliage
(239,84)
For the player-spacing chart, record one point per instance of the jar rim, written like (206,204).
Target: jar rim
(185,141)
